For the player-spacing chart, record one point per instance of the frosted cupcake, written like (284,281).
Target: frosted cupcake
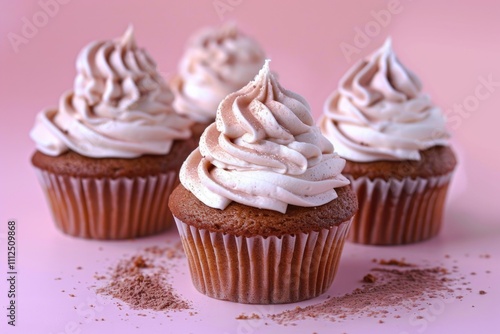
(396,146)
(263,209)
(109,155)
(216,62)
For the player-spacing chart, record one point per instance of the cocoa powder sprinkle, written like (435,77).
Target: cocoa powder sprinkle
(394,262)
(383,290)
(141,281)
(369,278)
(248,317)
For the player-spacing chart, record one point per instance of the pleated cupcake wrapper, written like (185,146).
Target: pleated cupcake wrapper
(107,208)
(396,212)
(263,270)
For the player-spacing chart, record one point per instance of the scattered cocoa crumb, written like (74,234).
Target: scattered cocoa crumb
(484,256)
(174,252)
(248,317)
(139,262)
(72,295)
(369,278)
(380,321)
(79,268)
(482,292)
(394,262)
(57,279)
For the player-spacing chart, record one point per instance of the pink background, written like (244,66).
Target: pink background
(449,45)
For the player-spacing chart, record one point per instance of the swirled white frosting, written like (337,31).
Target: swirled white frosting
(263,151)
(120,106)
(380,113)
(216,63)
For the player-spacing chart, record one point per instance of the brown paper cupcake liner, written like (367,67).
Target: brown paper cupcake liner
(396,212)
(263,270)
(106,208)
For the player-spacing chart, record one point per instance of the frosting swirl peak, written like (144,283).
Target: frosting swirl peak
(380,113)
(263,151)
(120,106)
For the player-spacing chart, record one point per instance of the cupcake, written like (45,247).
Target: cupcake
(216,62)
(396,145)
(263,209)
(108,157)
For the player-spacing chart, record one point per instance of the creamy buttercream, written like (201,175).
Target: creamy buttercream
(263,151)
(120,106)
(380,113)
(217,62)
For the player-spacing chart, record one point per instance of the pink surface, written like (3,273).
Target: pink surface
(452,46)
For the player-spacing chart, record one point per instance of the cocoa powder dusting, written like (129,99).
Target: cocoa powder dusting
(141,281)
(369,278)
(383,291)
(253,316)
(394,262)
